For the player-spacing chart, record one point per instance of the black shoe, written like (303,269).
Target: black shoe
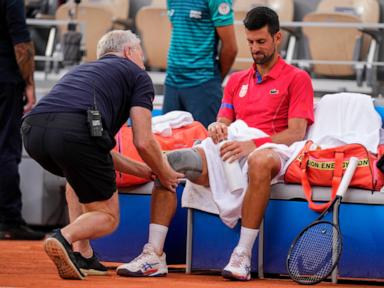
(19,232)
(61,253)
(90,266)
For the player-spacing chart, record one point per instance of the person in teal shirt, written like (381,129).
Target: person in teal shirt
(202,51)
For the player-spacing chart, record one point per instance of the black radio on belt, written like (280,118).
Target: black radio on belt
(94,119)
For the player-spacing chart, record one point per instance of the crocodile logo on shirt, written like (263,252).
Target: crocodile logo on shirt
(274,91)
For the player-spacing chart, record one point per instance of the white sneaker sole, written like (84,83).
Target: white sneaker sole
(93,272)
(231,276)
(158,273)
(59,256)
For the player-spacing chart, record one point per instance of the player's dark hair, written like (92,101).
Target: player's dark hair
(260,16)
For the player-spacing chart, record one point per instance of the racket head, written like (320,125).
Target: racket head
(314,253)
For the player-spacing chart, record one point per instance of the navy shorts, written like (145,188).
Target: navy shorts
(202,101)
(61,143)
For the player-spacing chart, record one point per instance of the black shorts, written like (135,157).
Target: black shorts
(61,143)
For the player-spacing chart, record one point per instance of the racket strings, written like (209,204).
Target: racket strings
(315,253)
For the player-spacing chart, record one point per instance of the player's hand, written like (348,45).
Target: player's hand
(234,150)
(218,132)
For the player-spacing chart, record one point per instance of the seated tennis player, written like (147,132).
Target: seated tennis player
(272,96)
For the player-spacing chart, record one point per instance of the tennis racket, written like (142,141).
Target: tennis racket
(315,252)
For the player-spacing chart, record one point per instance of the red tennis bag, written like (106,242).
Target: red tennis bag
(325,167)
(183,137)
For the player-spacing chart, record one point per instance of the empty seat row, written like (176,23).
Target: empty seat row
(340,44)
(322,43)
(97,18)
(334,44)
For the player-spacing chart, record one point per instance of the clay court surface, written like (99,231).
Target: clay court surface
(24,264)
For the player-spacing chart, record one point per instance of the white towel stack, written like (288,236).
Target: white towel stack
(164,124)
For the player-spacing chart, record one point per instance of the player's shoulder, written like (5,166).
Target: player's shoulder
(238,75)
(296,71)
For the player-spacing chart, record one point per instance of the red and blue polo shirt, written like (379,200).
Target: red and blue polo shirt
(268,102)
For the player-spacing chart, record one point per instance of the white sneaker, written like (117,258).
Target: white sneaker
(239,267)
(148,263)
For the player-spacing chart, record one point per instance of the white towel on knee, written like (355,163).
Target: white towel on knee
(226,203)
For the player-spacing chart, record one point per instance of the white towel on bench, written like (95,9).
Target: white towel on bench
(346,118)
(164,124)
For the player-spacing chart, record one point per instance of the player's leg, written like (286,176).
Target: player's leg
(263,166)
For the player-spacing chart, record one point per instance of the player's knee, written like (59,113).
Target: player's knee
(186,161)
(262,161)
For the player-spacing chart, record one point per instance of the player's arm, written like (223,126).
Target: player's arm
(234,150)
(296,130)
(218,130)
(228,51)
(300,114)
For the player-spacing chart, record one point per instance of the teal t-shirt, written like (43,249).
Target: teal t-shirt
(192,56)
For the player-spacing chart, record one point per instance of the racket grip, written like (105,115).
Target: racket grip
(347,177)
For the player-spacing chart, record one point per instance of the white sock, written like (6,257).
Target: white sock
(157,235)
(247,239)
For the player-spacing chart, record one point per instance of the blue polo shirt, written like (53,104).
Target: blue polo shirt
(13,30)
(117,83)
(192,56)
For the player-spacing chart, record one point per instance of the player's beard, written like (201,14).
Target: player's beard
(265,59)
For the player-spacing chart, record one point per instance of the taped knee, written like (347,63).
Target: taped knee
(186,161)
